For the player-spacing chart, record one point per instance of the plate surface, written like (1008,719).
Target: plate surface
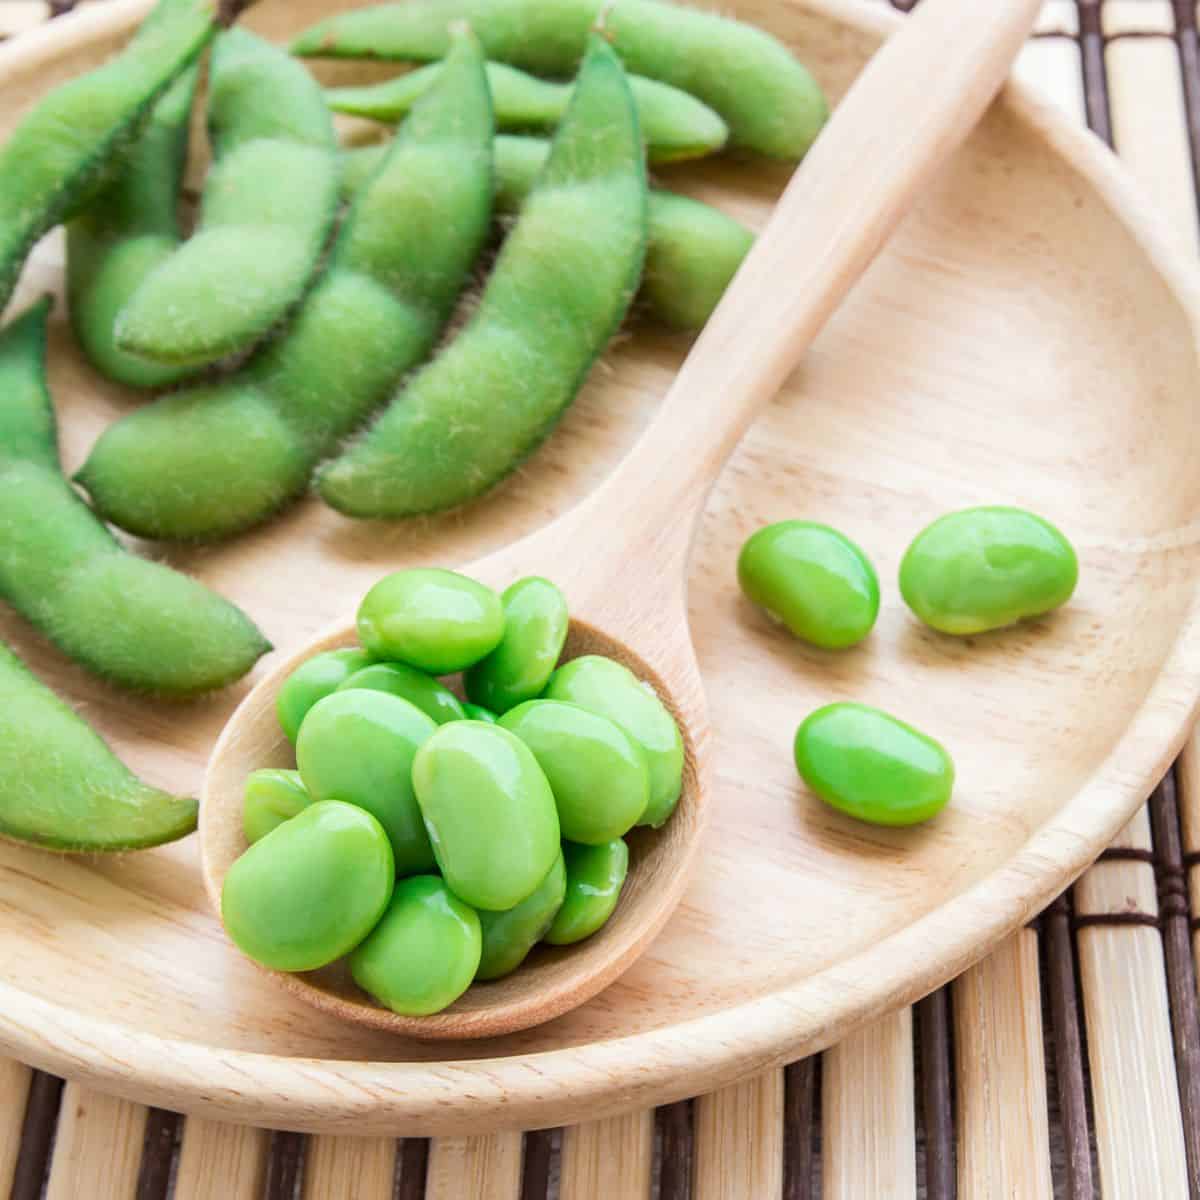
(1026,339)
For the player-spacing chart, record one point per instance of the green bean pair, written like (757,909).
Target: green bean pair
(56,157)
(767,98)
(674,125)
(692,249)
(266,212)
(134,622)
(62,788)
(213,459)
(561,284)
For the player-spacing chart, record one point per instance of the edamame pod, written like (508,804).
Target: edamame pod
(509,936)
(598,776)
(310,890)
(768,99)
(213,459)
(359,747)
(604,686)
(984,568)
(595,876)
(313,680)
(489,811)
(271,796)
(133,621)
(870,765)
(674,125)
(476,712)
(130,227)
(423,953)
(62,788)
(268,205)
(561,284)
(692,249)
(59,152)
(535,627)
(434,699)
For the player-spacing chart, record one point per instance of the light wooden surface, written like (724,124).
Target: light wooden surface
(918,397)
(218,1161)
(608,1158)
(739,1141)
(14,1088)
(485,1168)
(98,1148)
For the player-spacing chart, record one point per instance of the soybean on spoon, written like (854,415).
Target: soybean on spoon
(621,555)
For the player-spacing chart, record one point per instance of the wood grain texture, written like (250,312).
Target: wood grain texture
(608,1158)
(1010,300)
(868,1127)
(218,1161)
(1003,1130)
(487,1167)
(364,1168)
(738,1143)
(97,1148)
(14,1092)
(1139,1130)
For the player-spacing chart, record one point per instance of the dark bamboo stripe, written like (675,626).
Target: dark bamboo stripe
(159,1150)
(59,7)
(801,1119)
(535,1169)
(1086,920)
(285,1165)
(1127,854)
(1181,971)
(412,1165)
(1059,971)
(1095,79)
(37,1136)
(1191,859)
(1189,63)
(673,1131)
(937,1094)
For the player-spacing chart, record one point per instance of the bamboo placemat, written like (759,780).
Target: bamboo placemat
(1066,1064)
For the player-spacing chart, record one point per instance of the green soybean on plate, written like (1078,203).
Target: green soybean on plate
(964,370)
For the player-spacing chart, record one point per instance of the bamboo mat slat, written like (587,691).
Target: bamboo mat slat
(221,1162)
(608,1158)
(869,1115)
(1004,1137)
(739,1141)
(1067,1064)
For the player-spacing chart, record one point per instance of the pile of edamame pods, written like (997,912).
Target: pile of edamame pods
(970,572)
(293,331)
(435,841)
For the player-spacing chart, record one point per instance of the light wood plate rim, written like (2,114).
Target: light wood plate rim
(602,1078)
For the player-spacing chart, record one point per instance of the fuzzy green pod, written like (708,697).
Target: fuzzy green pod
(62,788)
(313,680)
(424,952)
(766,96)
(268,205)
(535,627)
(132,621)
(604,686)
(693,250)
(509,936)
(985,568)
(270,797)
(213,459)
(476,712)
(595,877)
(311,889)
(674,125)
(489,811)
(124,233)
(56,157)
(560,287)
(872,766)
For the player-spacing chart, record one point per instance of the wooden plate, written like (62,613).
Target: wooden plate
(1028,338)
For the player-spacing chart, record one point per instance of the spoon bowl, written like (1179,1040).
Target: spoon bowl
(553,979)
(621,555)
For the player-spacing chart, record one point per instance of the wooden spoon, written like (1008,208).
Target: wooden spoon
(621,555)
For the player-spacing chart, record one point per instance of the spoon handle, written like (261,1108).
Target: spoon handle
(913,104)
